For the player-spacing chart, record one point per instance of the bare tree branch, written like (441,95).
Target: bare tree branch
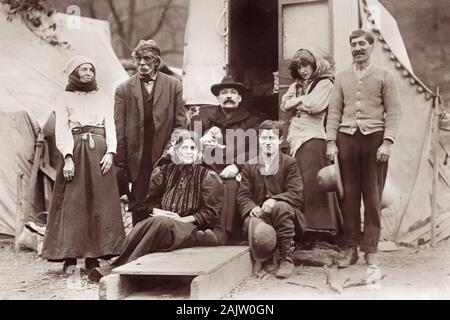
(171,51)
(160,23)
(131,19)
(91,8)
(120,29)
(161,6)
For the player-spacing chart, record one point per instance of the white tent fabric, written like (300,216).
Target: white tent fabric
(30,80)
(205,51)
(407,220)
(18,133)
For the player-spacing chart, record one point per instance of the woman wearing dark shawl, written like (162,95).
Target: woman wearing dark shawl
(85,219)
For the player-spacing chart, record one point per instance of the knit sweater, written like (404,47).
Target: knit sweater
(371,104)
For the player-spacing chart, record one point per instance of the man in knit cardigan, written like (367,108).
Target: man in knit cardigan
(363,117)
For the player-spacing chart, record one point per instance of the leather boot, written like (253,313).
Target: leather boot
(350,257)
(286,262)
(272,265)
(286,268)
(371,259)
(91,263)
(68,264)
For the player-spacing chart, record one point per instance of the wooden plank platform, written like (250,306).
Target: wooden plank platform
(191,273)
(183,262)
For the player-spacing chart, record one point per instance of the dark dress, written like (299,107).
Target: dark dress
(184,189)
(85,219)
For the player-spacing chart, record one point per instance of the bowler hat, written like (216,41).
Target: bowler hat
(329,178)
(262,239)
(228,82)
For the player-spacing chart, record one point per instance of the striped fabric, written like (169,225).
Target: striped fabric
(183,188)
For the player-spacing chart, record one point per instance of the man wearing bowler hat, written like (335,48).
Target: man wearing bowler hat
(363,118)
(271,190)
(232,122)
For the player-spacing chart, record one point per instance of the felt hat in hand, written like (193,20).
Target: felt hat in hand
(329,178)
(262,239)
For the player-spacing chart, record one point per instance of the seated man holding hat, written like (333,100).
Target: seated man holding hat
(270,199)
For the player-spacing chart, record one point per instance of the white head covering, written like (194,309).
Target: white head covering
(75,62)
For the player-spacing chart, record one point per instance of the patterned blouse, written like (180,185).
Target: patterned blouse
(187,190)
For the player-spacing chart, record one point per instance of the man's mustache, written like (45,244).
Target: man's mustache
(355,53)
(229,100)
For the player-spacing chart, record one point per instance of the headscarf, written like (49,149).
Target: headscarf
(323,69)
(71,71)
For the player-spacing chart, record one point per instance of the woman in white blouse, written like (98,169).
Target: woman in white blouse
(307,101)
(85,218)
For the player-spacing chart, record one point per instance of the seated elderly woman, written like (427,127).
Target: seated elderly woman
(184,202)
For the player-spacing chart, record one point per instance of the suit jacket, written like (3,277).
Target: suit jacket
(169,113)
(282,184)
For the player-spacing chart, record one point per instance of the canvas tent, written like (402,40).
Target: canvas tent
(254,40)
(30,81)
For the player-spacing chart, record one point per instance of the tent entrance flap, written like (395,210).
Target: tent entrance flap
(254,52)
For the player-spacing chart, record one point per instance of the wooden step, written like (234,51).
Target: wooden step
(192,273)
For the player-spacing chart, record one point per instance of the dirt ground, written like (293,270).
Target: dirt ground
(406,274)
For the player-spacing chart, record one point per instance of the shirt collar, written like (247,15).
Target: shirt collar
(271,167)
(148,79)
(362,70)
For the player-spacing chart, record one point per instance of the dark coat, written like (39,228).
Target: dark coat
(284,185)
(169,113)
(240,119)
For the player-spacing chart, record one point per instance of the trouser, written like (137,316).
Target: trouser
(139,188)
(362,175)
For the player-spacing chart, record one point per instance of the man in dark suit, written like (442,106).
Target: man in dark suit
(148,107)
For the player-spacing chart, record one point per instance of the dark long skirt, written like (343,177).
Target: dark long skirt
(85,219)
(321,208)
(156,234)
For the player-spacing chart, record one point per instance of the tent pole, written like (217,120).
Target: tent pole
(28,203)
(435,169)
(19,210)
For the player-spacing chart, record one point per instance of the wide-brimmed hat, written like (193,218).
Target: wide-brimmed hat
(262,239)
(228,82)
(329,178)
